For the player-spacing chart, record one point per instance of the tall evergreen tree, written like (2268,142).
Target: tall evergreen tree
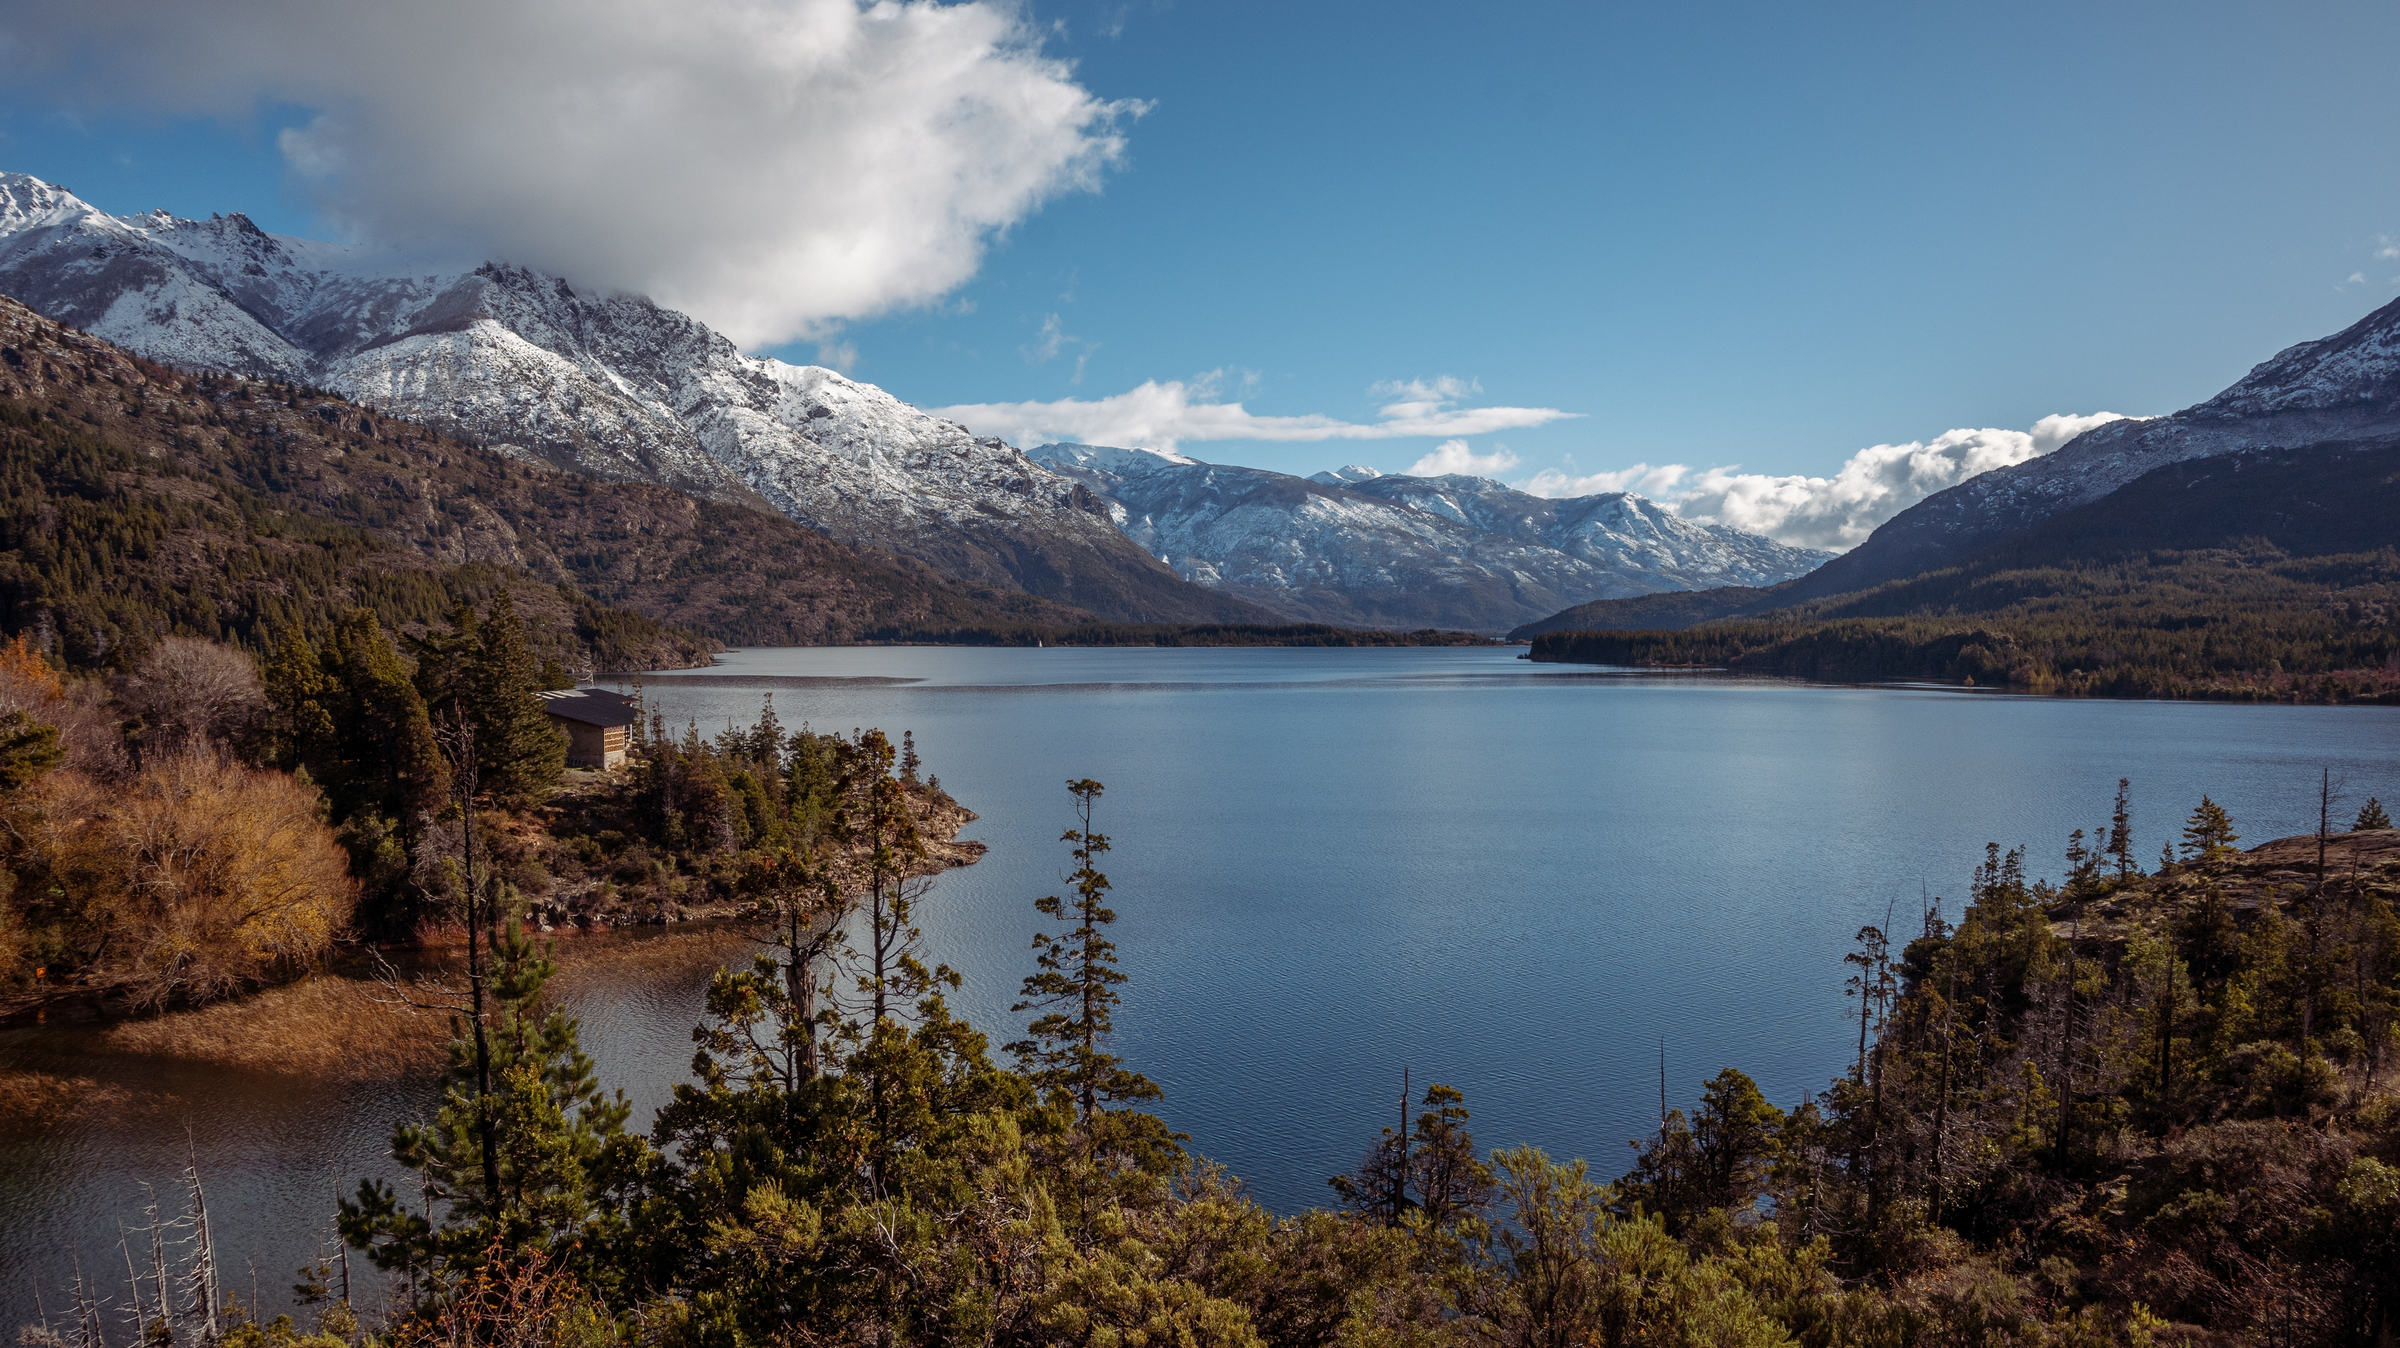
(2120,831)
(299,731)
(2208,835)
(520,751)
(2371,816)
(1077,985)
(445,661)
(557,1144)
(385,757)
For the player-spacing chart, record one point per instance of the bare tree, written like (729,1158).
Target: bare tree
(189,695)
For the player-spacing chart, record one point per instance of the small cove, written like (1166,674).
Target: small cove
(1518,879)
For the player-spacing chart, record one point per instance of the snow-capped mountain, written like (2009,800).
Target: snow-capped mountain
(610,385)
(2343,387)
(1357,546)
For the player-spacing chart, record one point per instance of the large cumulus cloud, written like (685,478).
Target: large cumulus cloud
(1837,512)
(771,166)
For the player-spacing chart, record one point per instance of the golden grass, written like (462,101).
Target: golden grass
(57,1099)
(339,1029)
(583,960)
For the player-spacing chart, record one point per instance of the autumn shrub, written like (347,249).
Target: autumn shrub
(194,879)
(79,710)
(188,695)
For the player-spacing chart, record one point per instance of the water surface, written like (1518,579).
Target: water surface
(1329,864)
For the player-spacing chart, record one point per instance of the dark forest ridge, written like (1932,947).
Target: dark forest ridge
(2241,548)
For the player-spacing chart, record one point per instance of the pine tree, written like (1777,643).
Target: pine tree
(1077,986)
(557,1144)
(2208,834)
(520,751)
(445,661)
(300,731)
(2120,831)
(1450,1182)
(385,757)
(1735,1135)
(28,748)
(2371,816)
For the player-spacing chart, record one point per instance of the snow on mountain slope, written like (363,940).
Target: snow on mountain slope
(1357,546)
(2343,387)
(610,385)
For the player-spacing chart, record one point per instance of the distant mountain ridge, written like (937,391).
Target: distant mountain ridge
(609,385)
(2339,394)
(1360,547)
(2345,387)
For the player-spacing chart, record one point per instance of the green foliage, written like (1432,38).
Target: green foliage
(565,1164)
(1076,986)
(1429,1173)
(519,751)
(2208,834)
(2371,815)
(28,748)
(350,715)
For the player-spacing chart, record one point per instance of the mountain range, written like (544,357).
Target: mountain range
(2218,551)
(611,386)
(1364,548)
(618,388)
(2345,387)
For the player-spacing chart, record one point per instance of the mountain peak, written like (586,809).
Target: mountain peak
(1346,475)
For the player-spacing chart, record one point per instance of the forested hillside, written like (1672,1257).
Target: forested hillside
(226,507)
(2267,575)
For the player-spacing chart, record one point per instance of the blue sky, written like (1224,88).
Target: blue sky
(1764,235)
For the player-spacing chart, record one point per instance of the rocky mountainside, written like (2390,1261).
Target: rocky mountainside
(1360,547)
(608,385)
(141,500)
(2340,388)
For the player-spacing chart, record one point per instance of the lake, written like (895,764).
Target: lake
(1330,865)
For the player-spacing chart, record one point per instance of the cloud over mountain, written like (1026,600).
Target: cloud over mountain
(1836,512)
(1159,415)
(770,166)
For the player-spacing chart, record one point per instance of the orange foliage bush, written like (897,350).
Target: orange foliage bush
(194,879)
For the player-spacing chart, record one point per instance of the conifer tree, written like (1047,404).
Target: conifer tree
(299,732)
(1450,1181)
(28,748)
(2120,831)
(1736,1135)
(555,1141)
(385,757)
(1077,985)
(2208,835)
(445,661)
(521,752)
(2371,816)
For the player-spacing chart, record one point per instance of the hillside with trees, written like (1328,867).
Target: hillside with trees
(144,501)
(2140,1104)
(2268,575)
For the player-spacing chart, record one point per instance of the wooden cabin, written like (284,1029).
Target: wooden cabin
(598,724)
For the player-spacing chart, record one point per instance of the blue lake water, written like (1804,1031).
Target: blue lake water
(1330,864)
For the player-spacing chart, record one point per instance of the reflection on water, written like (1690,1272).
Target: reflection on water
(1514,878)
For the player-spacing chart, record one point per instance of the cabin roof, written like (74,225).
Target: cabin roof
(590,706)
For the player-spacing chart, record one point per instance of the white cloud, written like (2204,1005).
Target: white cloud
(1836,512)
(1453,456)
(841,356)
(2387,246)
(1164,415)
(771,166)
